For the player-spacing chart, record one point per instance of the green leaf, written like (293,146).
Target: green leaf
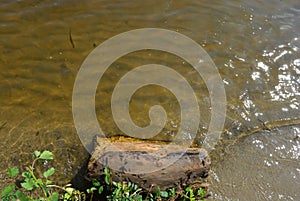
(158,192)
(164,194)
(67,196)
(11,172)
(172,192)
(49,172)
(115,184)
(117,191)
(107,180)
(100,190)
(36,154)
(46,155)
(138,197)
(95,182)
(69,190)
(48,182)
(54,197)
(26,175)
(21,196)
(7,190)
(90,190)
(201,192)
(39,181)
(106,170)
(188,189)
(29,184)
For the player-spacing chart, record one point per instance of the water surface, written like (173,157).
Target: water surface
(254,45)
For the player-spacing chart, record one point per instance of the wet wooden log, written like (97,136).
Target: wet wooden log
(192,167)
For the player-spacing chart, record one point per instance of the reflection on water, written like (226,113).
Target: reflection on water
(264,163)
(255,46)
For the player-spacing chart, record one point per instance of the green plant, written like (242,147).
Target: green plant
(42,184)
(201,192)
(97,187)
(125,192)
(128,191)
(115,191)
(189,194)
(161,195)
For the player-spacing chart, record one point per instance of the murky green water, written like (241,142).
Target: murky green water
(255,46)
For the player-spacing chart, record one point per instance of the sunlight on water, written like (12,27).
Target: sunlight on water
(265,163)
(255,46)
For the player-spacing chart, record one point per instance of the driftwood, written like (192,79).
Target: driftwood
(191,169)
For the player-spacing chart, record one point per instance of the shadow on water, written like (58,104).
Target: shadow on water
(79,181)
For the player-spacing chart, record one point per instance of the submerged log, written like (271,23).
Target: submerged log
(192,167)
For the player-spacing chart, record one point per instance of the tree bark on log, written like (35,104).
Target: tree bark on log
(192,167)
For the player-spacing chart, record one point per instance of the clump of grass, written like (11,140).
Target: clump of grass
(115,191)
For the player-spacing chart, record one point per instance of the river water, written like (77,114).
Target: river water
(255,46)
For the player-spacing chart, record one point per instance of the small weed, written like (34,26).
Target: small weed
(115,191)
(43,184)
